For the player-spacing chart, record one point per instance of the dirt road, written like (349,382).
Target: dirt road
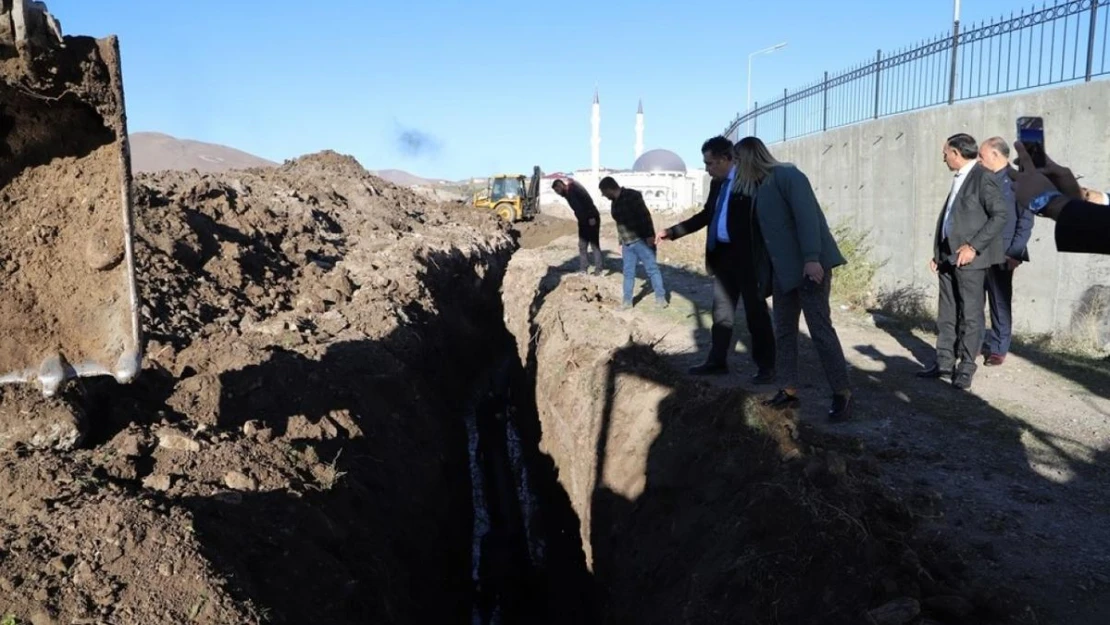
(1016,470)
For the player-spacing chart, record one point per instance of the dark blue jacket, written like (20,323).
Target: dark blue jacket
(1019,222)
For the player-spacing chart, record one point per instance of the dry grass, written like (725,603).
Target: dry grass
(907,305)
(1087,335)
(854,282)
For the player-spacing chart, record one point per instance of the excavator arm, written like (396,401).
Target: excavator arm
(531,200)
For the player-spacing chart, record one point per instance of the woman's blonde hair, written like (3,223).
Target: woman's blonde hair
(753,163)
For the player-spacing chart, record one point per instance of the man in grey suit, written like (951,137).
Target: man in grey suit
(967,242)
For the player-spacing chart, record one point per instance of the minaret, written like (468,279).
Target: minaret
(595,137)
(639,130)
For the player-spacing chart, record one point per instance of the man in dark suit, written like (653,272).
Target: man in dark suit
(994,154)
(732,246)
(967,242)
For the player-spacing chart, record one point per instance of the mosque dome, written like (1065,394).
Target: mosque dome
(659,160)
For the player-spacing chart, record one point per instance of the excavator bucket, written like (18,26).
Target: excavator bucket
(69,303)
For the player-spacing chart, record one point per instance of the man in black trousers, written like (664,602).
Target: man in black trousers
(968,241)
(732,244)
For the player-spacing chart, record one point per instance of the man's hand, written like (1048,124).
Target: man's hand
(933,265)
(965,255)
(1096,197)
(1031,182)
(1012,263)
(661,236)
(592,221)
(814,271)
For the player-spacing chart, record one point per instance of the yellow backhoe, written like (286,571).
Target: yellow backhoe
(69,304)
(512,196)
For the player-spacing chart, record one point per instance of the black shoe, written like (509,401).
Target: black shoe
(782,400)
(841,409)
(764,376)
(934,372)
(962,381)
(709,368)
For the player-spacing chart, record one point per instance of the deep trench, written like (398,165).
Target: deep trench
(527,560)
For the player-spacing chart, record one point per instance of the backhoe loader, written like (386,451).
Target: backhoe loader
(512,196)
(69,304)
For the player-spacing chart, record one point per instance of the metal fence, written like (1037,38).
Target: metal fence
(1039,47)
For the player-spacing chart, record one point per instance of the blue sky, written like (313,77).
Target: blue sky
(379,79)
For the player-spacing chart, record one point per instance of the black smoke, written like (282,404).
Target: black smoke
(416,143)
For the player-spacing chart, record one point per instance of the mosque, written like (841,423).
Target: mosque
(661,175)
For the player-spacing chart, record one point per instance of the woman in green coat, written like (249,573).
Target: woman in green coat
(801,254)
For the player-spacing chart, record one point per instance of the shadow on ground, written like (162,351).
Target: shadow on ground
(724,531)
(381,528)
(903,309)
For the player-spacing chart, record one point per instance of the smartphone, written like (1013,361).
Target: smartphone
(1030,131)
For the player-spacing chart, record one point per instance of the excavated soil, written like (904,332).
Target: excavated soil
(697,504)
(293,451)
(65,285)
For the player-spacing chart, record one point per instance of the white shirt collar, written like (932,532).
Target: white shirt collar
(966,168)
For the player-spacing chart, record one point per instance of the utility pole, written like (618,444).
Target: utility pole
(748,102)
(955,50)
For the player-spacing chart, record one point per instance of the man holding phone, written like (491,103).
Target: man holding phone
(967,242)
(1053,192)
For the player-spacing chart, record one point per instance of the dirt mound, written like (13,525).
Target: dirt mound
(292,450)
(699,505)
(66,288)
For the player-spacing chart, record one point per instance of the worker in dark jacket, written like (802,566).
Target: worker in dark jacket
(734,252)
(589,222)
(994,154)
(1081,226)
(637,236)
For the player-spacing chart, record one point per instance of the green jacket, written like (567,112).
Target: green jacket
(793,227)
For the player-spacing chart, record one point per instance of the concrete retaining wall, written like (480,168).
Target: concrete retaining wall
(888,177)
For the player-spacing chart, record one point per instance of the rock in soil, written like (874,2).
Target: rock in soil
(27,419)
(898,612)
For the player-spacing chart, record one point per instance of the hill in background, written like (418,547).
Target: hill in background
(154,151)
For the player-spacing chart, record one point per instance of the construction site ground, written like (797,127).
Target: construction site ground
(1015,471)
(361,406)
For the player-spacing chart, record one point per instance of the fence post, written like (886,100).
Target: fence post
(825,103)
(784,114)
(878,75)
(755,119)
(1091,40)
(952,72)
